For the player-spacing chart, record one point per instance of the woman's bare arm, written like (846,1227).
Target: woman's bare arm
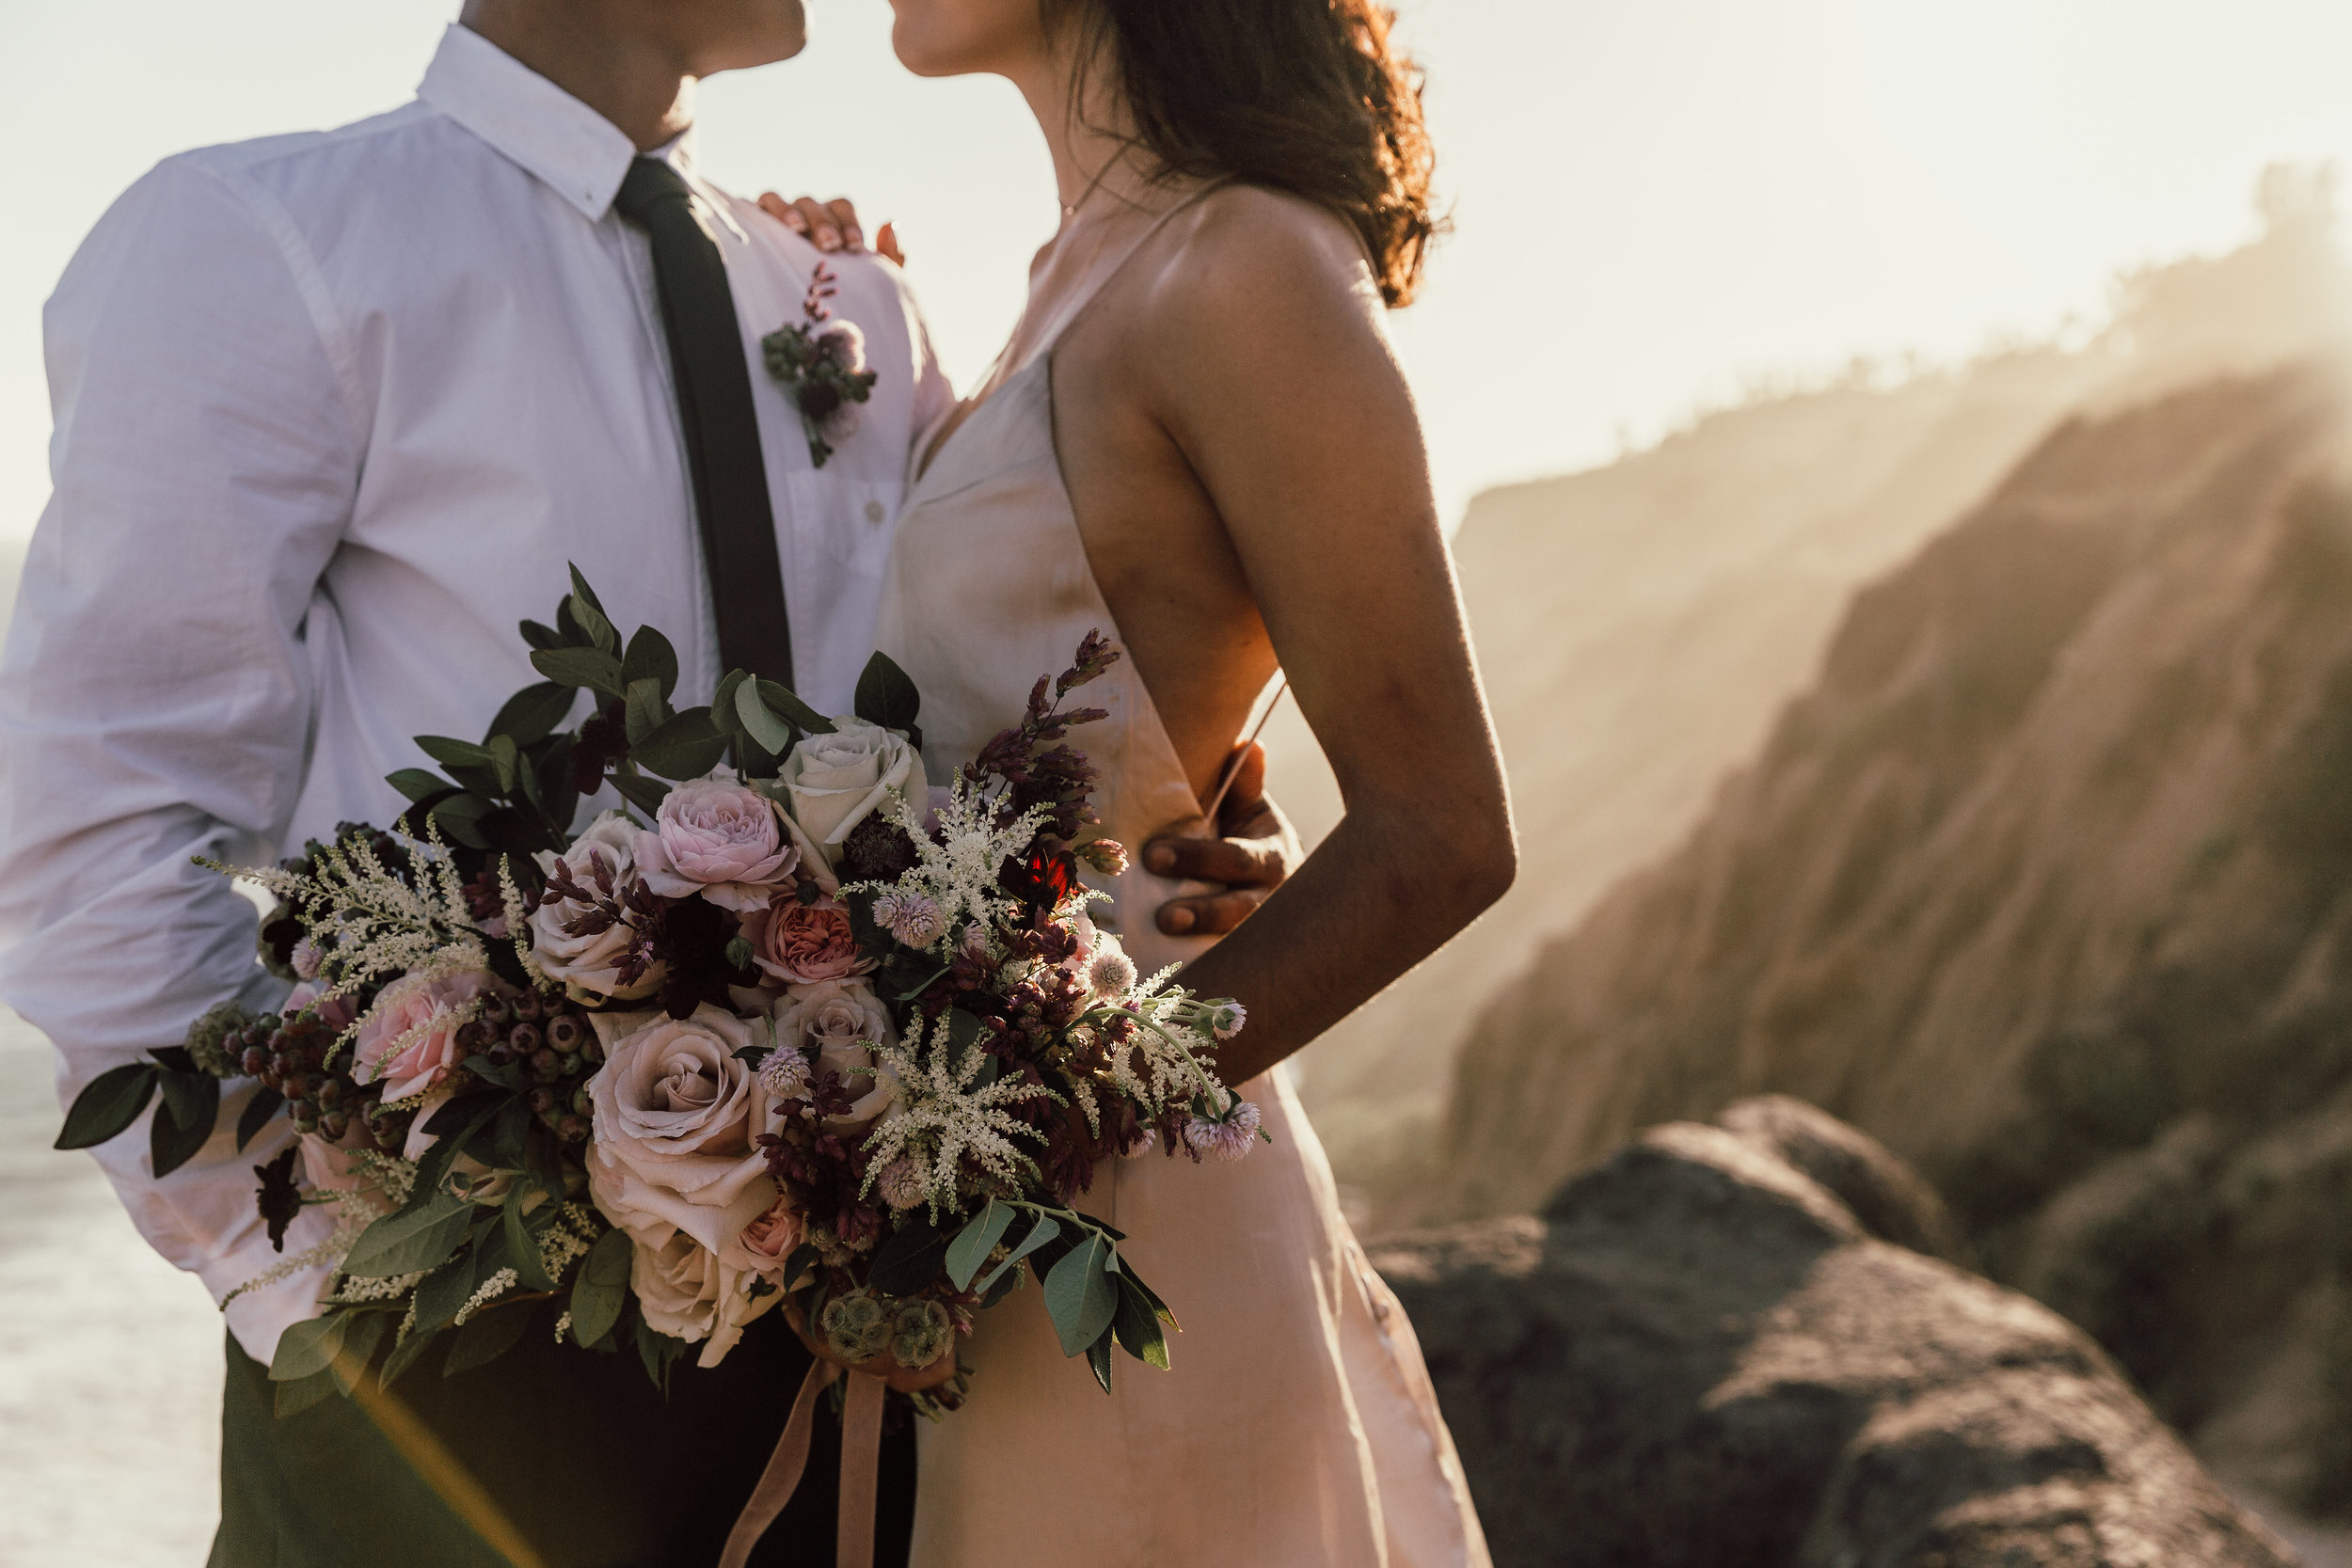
(1274,377)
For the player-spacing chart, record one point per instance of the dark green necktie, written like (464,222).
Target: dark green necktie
(714,399)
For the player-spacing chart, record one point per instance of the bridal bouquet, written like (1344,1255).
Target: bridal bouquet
(786,1027)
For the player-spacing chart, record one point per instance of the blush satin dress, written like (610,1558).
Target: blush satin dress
(1297,1428)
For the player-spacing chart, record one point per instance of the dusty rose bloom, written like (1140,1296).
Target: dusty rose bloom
(761,1247)
(802,943)
(719,839)
(407,1040)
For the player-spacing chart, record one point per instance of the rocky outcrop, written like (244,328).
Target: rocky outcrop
(1708,1353)
(1640,625)
(2047,884)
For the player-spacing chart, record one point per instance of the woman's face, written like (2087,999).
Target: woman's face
(959,38)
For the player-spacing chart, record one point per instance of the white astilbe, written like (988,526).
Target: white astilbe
(516,909)
(350,1220)
(950,1120)
(489,1292)
(957,869)
(567,1240)
(374,922)
(385,1184)
(1158,1064)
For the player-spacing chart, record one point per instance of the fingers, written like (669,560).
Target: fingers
(845,219)
(1236,862)
(886,243)
(1245,798)
(827,225)
(1212,915)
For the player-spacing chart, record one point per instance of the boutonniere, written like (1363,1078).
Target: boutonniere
(821,363)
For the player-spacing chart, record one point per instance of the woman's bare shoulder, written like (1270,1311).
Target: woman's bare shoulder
(1249,241)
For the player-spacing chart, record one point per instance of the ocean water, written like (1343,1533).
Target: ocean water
(110,1358)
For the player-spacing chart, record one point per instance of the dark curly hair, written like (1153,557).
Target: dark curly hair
(1304,96)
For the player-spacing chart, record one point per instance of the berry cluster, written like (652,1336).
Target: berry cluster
(550,1046)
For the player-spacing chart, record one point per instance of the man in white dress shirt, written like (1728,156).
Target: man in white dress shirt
(332,412)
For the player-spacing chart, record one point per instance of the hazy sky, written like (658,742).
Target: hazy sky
(1654,200)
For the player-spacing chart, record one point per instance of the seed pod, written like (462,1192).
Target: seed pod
(567,1064)
(565,1032)
(572,1129)
(542,1099)
(496,1011)
(255,1061)
(543,1064)
(525,1038)
(474,1035)
(528,1007)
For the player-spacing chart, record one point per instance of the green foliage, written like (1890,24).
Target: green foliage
(265,1103)
(886,696)
(112,1103)
(309,1347)
(600,1287)
(183,1122)
(419,1237)
(487,1335)
(976,1240)
(1044,1230)
(1081,1296)
(908,1260)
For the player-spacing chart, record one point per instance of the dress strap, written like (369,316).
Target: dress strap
(1073,309)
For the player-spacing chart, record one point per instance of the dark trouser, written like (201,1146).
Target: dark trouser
(575,1460)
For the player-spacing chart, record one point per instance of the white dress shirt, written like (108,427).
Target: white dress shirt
(332,412)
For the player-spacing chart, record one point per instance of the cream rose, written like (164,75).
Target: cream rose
(687,1291)
(719,839)
(407,1042)
(677,1116)
(761,1247)
(590,961)
(832,783)
(833,1021)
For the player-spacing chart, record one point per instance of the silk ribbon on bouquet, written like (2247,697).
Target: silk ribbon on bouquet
(861,1465)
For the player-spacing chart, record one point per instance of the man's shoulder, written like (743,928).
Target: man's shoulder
(297,162)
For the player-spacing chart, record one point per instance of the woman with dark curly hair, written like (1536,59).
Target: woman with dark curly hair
(1199,441)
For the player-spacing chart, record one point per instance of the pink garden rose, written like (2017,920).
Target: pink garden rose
(407,1040)
(687,1291)
(802,943)
(761,1247)
(716,838)
(834,1021)
(590,962)
(676,1117)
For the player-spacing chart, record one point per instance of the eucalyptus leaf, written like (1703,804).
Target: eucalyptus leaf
(1042,1231)
(112,1103)
(417,784)
(589,617)
(644,711)
(541,636)
(405,1354)
(686,747)
(764,727)
(589,667)
(265,1103)
(1098,1359)
(601,1288)
(292,1399)
(309,1347)
(650,657)
(886,696)
(487,1335)
(457,817)
(532,713)
(786,702)
(646,794)
(506,761)
(579,586)
(1138,1326)
(451,752)
(522,1247)
(908,1259)
(441,1293)
(976,1240)
(359,1346)
(183,1123)
(417,1238)
(1080,1295)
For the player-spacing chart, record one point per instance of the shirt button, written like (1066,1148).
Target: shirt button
(873,512)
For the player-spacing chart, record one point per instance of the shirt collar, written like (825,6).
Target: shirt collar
(576,151)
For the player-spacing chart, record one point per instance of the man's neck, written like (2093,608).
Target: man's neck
(638,85)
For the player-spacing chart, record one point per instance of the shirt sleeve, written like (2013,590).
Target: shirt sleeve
(155,692)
